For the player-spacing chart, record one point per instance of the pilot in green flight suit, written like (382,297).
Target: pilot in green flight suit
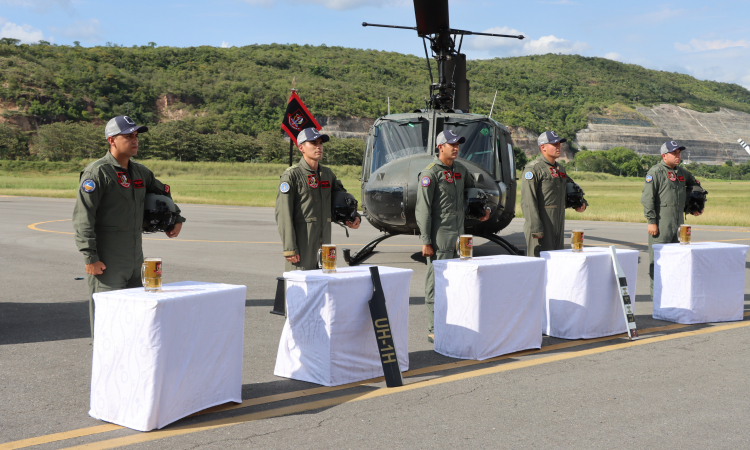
(543,192)
(108,215)
(440,211)
(663,199)
(303,204)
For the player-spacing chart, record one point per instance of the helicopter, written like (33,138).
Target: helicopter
(400,146)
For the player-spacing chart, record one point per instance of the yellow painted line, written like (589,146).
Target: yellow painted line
(59,436)
(325,389)
(294,409)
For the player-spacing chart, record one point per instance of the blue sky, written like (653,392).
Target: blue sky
(708,40)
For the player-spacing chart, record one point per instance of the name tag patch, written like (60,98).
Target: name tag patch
(166,188)
(123,179)
(138,184)
(680,178)
(457,175)
(325,183)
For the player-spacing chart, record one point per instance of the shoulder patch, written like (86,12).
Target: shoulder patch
(528,175)
(88,186)
(425,181)
(284,187)
(430,166)
(649,178)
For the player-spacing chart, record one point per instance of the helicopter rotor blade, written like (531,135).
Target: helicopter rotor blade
(365,24)
(469,33)
(432,16)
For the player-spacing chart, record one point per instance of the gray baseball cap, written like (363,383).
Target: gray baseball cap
(122,125)
(549,137)
(449,137)
(670,146)
(310,134)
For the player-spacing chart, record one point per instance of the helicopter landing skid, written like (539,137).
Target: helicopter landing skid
(510,248)
(365,251)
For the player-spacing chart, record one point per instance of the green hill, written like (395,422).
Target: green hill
(234,93)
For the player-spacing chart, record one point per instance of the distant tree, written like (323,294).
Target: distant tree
(10,41)
(152,44)
(520,157)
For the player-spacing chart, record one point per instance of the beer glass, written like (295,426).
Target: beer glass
(576,240)
(685,234)
(465,246)
(327,258)
(151,274)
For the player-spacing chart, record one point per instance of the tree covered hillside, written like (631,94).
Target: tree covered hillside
(243,90)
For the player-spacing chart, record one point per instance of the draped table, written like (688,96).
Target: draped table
(699,283)
(328,337)
(582,299)
(488,306)
(161,356)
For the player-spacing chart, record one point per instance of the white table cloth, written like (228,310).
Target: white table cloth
(161,356)
(488,306)
(699,283)
(328,337)
(582,294)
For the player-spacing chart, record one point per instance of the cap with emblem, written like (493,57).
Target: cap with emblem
(122,125)
(310,134)
(449,137)
(549,137)
(670,146)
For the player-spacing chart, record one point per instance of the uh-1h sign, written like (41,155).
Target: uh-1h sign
(383,333)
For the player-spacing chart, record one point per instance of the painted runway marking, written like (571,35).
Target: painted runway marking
(294,409)
(323,389)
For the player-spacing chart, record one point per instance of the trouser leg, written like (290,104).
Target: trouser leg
(429,295)
(115,279)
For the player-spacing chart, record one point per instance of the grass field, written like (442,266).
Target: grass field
(610,198)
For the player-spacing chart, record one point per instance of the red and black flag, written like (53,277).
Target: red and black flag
(297,117)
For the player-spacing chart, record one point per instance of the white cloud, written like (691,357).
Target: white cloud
(225,44)
(339,5)
(26,33)
(720,44)
(662,15)
(39,6)
(515,47)
(613,56)
(89,31)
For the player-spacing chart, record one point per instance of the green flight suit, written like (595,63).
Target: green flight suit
(108,218)
(663,199)
(543,193)
(303,212)
(440,218)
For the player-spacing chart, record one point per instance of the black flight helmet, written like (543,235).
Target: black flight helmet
(696,199)
(476,201)
(343,207)
(574,196)
(160,214)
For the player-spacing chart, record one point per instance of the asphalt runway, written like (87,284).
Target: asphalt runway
(678,387)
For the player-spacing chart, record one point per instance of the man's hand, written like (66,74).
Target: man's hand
(537,235)
(653,229)
(353,225)
(96,268)
(175,231)
(293,259)
(698,213)
(582,208)
(427,250)
(486,215)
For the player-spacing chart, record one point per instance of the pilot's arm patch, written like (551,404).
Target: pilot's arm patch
(528,175)
(425,181)
(649,178)
(88,186)
(284,187)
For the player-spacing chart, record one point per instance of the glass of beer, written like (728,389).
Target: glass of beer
(327,258)
(576,240)
(684,234)
(465,246)
(151,274)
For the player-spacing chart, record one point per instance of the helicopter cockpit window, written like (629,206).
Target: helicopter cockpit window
(479,145)
(398,139)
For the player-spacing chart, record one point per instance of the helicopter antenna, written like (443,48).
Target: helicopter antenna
(427,57)
(493,105)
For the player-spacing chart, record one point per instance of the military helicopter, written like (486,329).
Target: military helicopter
(400,146)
